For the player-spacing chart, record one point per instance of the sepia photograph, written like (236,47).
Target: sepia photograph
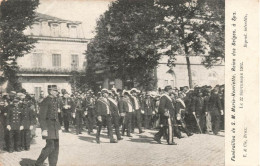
(112,82)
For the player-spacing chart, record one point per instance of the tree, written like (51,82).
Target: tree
(125,42)
(193,28)
(16,16)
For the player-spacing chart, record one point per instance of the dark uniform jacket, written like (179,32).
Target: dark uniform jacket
(113,107)
(197,105)
(28,117)
(214,104)
(123,105)
(149,106)
(67,102)
(103,107)
(13,117)
(165,105)
(48,117)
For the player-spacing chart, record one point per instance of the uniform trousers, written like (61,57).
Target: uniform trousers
(208,123)
(90,120)
(215,120)
(106,121)
(115,121)
(148,119)
(14,140)
(127,123)
(25,138)
(79,118)
(66,119)
(137,120)
(50,151)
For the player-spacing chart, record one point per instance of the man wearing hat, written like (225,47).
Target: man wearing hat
(137,116)
(66,108)
(126,109)
(89,106)
(104,116)
(149,107)
(167,117)
(78,111)
(49,123)
(28,119)
(13,122)
(115,114)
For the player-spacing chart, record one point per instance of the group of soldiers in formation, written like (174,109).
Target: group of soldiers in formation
(171,110)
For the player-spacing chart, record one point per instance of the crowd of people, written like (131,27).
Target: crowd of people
(171,110)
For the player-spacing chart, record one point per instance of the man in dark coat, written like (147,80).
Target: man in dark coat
(79,113)
(89,104)
(215,109)
(149,107)
(126,109)
(197,110)
(13,122)
(67,106)
(49,123)
(104,116)
(167,117)
(137,116)
(28,119)
(115,115)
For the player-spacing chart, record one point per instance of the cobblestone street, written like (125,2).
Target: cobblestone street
(141,149)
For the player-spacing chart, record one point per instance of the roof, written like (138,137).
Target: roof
(40,16)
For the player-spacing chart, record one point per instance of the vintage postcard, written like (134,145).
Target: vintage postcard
(129,82)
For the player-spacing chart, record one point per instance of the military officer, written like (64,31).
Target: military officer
(66,107)
(104,116)
(13,122)
(49,123)
(167,117)
(28,119)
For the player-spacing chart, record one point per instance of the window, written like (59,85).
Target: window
(37,92)
(172,83)
(73,31)
(56,60)
(37,60)
(55,30)
(74,61)
(166,82)
(52,86)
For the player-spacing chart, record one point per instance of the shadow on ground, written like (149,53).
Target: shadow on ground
(28,162)
(143,139)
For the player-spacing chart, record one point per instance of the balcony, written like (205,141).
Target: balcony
(49,71)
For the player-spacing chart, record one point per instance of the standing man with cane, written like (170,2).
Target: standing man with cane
(49,123)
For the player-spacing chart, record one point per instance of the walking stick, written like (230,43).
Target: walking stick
(197,123)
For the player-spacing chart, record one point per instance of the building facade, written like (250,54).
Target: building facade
(59,51)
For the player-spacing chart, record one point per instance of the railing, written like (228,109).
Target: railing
(49,70)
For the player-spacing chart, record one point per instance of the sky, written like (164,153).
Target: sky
(86,11)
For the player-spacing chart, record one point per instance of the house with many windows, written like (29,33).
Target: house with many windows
(59,51)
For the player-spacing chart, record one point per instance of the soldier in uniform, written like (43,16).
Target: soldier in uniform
(3,114)
(104,116)
(13,122)
(167,117)
(115,114)
(49,123)
(27,123)
(66,107)
(137,116)
(126,109)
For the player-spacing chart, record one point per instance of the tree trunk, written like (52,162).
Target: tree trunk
(189,71)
